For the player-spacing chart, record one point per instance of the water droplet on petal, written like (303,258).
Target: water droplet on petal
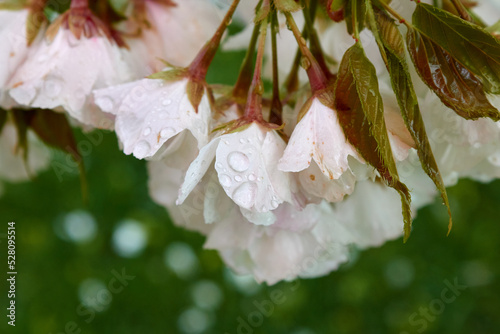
(238,161)
(244,195)
(142,149)
(52,88)
(238,178)
(274,204)
(147,131)
(219,165)
(251,177)
(166,102)
(225,180)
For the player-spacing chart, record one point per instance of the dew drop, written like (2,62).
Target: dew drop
(219,165)
(141,149)
(147,131)
(52,87)
(305,63)
(166,102)
(244,195)
(238,161)
(251,177)
(238,178)
(274,204)
(225,180)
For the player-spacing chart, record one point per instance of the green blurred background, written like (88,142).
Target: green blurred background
(68,253)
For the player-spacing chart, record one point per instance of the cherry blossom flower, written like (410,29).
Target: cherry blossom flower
(306,243)
(246,165)
(151,111)
(62,69)
(462,148)
(184,28)
(319,137)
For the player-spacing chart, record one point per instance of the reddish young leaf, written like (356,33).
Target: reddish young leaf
(361,115)
(456,86)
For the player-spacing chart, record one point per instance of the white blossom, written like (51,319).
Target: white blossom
(150,111)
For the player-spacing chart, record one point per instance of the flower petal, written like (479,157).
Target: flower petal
(318,136)
(150,112)
(197,169)
(246,164)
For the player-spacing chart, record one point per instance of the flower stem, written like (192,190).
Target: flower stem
(199,67)
(244,80)
(317,78)
(253,108)
(314,43)
(276,106)
(395,14)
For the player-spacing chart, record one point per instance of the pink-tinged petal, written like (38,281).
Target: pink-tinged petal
(14,48)
(372,214)
(305,243)
(246,164)
(400,138)
(317,184)
(149,112)
(63,73)
(197,169)
(183,29)
(318,136)
(216,205)
(259,218)
(166,174)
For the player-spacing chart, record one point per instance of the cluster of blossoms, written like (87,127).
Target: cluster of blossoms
(285,181)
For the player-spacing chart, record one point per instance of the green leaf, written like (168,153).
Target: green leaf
(455,85)
(469,44)
(391,45)
(354,15)
(361,115)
